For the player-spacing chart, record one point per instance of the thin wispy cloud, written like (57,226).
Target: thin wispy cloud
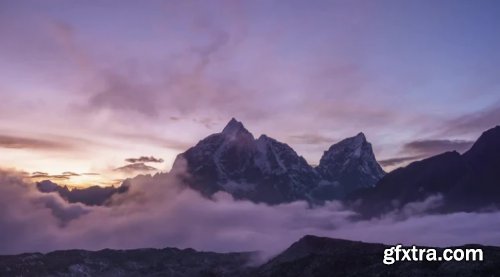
(18,142)
(475,122)
(399,160)
(312,139)
(144,159)
(436,146)
(136,168)
(424,148)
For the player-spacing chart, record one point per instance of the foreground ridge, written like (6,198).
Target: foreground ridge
(309,256)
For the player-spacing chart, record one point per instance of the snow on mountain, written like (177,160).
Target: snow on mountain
(351,164)
(269,171)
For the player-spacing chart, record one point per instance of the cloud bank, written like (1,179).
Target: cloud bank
(156,212)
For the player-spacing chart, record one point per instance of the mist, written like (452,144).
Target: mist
(157,212)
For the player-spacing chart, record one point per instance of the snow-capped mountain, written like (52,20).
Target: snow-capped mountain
(262,170)
(269,171)
(349,165)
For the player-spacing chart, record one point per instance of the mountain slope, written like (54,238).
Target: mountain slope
(319,256)
(310,256)
(261,170)
(468,182)
(139,262)
(349,165)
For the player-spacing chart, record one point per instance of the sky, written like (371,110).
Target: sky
(87,87)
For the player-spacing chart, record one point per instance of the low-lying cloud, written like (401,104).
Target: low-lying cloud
(156,212)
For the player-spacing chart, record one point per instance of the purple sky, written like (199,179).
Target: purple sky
(85,85)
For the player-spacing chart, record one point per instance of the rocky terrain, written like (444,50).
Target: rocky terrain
(310,256)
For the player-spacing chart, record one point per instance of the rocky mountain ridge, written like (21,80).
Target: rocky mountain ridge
(309,256)
(266,170)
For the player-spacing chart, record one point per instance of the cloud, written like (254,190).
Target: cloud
(156,212)
(437,146)
(69,173)
(37,175)
(64,34)
(60,209)
(180,85)
(136,168)
(196,81)
(203,71)
(120,93)
(157,141)
(420,149)
(218,39)
(475,122)
(44,175)
(17,142)
(91,174)
(144,159)
(399,160)
(23,208)
(311,139)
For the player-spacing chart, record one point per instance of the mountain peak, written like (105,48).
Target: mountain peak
(486,146)
(266,170)
(353,143)
(352,163)
(356,141)
(490,136)
(234,127)
(360,136)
